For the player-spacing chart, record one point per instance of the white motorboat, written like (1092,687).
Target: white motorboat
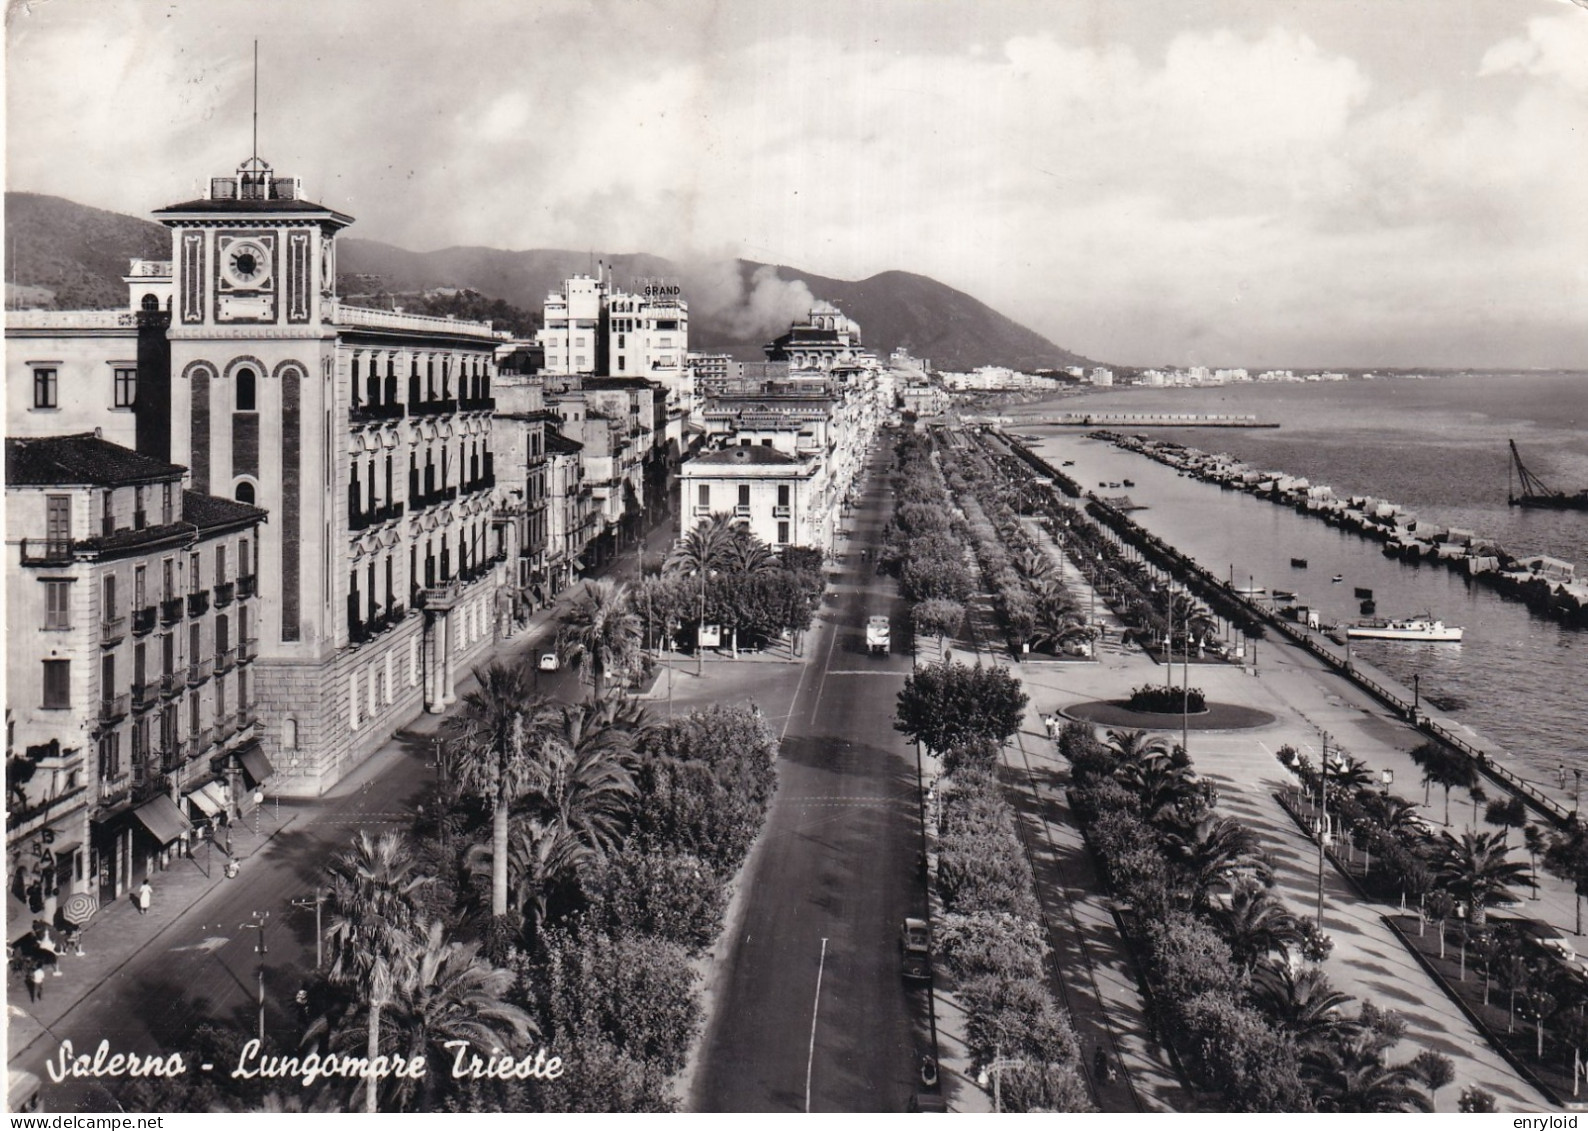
(1414,628)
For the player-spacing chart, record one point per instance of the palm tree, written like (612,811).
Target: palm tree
(1567,858)
(1301,1002)
(450,992)
(498,730)
(702,549)
(1134,745)
(1255,923)
(1445,767)
(745,553)
(374,912)
(583,776)
(1214,851)
(602,633)
(1351,1076)
(1475,870)
(1161,787)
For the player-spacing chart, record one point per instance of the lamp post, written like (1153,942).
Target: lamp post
(1417,697)
(259,801)
(996,1068)
(1387,778)
(258,924)
(317,902)
(1185,686)
(1323,821)
(1576,797)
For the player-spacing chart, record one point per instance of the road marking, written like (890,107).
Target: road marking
(867,671)
(207,945)
(815,1008)
(832,639)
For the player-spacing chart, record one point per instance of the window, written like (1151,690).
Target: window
(243,560)
(220,565)
(44,388)
(245,390)
(167,513)
(193,715)
(126,385)
(766,443)
(107,612)
(168,570)
(58,521)
(194,653)
(782,534)
(245,493)
(744,494)
(57,684)
(782,494)
(195,571)
(168,654)
(289,734)
(110,756)
(57,607)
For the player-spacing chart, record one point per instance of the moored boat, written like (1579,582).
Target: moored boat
(1337,578)
(1413,628)
(1284,595)
(1298,563)
(1364,594)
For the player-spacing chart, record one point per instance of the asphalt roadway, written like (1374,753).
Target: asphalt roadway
(811,1011)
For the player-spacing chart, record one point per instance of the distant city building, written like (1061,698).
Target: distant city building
(1102,377)
(828,338)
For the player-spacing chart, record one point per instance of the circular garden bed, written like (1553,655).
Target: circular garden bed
(1217,716)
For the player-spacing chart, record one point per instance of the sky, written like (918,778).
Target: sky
(1147,182)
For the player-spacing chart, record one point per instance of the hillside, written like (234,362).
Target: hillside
(79,255)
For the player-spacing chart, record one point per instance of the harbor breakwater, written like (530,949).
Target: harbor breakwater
(1548,586)
(1218,591)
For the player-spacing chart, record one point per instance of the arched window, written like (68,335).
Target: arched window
(245,390)
(150,303)
(289,734)
(245,493)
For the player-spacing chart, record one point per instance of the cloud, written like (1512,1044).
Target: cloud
(1554,47)
(717,290)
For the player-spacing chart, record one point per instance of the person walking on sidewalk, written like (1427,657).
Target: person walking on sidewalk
(36,983)
(145,894)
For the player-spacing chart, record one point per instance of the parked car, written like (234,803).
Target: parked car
(915,949)
(548,662)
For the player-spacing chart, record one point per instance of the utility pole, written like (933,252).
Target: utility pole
(1323,822)
(258,924)
(317,903)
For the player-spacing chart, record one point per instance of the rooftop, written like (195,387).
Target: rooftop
(84,458)
(209,511)
(747,455)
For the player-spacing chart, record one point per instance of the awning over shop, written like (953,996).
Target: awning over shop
(163,819)
(208,800)
(256,767)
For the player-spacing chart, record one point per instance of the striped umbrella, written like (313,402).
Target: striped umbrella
(79,908)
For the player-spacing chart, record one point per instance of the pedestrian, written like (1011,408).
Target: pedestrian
(36,983)
(145,894)
(36,896)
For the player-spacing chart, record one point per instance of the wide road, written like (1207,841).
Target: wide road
(812,1012)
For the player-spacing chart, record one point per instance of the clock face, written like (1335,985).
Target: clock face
(245,263)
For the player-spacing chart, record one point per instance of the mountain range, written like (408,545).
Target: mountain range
(70,256)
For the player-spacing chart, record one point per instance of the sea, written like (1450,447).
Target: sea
(1437,445)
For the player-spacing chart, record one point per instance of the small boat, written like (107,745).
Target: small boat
(1284,595)
(1337,578)
(1130,482)
(1369,608)
(1298,563)
(1114,485)
(1103,484)
(1069,463)
(1364,594)
(1415,629)
(1252,590)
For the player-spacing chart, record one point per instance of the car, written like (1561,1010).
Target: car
(549,662)
(915,949)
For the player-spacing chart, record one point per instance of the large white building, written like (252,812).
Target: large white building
(781,496)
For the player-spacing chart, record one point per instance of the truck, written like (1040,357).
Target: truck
(877,636)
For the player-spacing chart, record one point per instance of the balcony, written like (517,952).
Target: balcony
(202,740)
(225,661)
(113,708)
(377,413)
(112,631)
(435,407)
(477,404)
(145,695)
(143,620)
(483,483)
(247,585)
(702,510)
(224,593)
(46,551)
(742,510)
(198,673)
(172,757)
(172,684)
(248,650)
(171,611)
(780,512)
(198,603)
(140,519)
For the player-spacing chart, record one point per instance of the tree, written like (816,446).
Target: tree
(938,617)
(1211,853)
(1301,1002)
(451,993)
(1567,858)
(1506,813)
(1351,1076)
(1134,745)
(498,730)
(582,775)
(1434,1070)
(374,917)
(1446,768)
(703,549)
(601,633)
(1475,1099)
(1255,923)
(1474,869)
(945,704)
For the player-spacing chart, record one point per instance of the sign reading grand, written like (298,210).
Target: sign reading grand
(659,288)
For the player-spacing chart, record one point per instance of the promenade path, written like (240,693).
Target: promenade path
(1307,700)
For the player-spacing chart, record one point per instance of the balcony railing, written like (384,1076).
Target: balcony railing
(743,510)
(247,585)
(477,404)
(780,512)
(225,727)
(198,603)
(113,708)
(46,551)
(369,413)
(246,717)
(224,593)
(248,650)
(173,756)
(143,620)
(112,630)
(483,483)
(434,407)
(202,740)
(171,684)
(198,673)
(225,661)
(145,695)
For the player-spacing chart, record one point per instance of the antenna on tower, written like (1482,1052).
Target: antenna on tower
(256,100)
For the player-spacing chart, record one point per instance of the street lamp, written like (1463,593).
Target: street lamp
(997,1067)
(258,924)
(1387,777)
(317,902)
(1323,821)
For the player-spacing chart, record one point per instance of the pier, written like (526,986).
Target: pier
(1156,420)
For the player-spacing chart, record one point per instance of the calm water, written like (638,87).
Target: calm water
(1436,446)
